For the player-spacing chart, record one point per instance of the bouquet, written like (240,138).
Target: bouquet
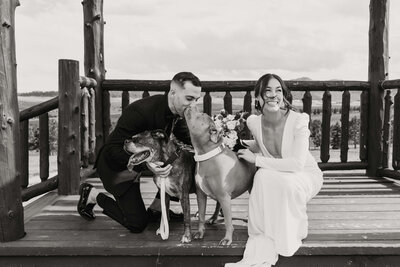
(233,127)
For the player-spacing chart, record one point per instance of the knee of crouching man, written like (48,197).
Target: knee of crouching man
(136,226)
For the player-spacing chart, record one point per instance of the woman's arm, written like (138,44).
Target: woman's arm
(300,147)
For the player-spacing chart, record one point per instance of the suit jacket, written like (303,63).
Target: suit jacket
(149,113)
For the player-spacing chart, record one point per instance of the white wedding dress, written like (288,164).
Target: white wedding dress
(282,187)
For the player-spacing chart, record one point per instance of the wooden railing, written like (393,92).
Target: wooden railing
(391,130)
(76,142)
(248,86)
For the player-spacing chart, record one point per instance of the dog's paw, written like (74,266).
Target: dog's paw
(225,241)
(198,235)
(212,220)
(186,239)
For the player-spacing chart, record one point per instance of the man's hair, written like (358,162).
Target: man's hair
(183,77)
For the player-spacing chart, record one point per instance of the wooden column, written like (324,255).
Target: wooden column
(11,211)
(93,30)
(377,72)
(68,159)
(44,145)
(85,127)
(23,163)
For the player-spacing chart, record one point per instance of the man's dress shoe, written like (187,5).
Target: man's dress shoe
(85,209)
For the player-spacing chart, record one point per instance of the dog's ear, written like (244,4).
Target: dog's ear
(215,135)
(159,134)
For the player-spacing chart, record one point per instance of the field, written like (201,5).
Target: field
(217,103)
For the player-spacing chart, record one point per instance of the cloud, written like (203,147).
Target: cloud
(217,40)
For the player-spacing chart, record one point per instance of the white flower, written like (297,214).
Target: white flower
(230,117)
(232,135)
(229,142)
(218,125)
(231,125)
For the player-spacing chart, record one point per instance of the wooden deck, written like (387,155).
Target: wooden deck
(354,221)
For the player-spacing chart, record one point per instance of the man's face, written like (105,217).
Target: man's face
(184,97)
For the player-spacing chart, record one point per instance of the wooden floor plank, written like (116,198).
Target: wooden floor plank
(352,215)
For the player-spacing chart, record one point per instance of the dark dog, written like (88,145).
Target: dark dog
(155,146)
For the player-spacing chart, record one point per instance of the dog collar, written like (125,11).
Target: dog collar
(209,154)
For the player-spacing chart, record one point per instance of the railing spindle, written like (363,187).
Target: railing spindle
(344,141)
(92,126)
(326,125)
(396,132)
(145,94)
(44,146)
(24,150)
(85,127)
(364,99)
(228,102)
(247,102)
(386,130)
(125,99)
(106,114)
(207,103)
(307,102)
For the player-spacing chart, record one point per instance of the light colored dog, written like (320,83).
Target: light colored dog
(220,174)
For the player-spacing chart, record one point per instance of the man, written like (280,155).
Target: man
(154,112)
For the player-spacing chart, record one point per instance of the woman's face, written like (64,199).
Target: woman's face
(273,96)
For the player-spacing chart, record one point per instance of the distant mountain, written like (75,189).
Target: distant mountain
(302,79)
(40,93)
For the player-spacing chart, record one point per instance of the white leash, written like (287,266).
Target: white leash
(164,226)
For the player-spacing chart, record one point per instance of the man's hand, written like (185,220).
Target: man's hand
(247,155)
(157,170)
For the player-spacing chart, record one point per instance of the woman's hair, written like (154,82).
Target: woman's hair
(261,86)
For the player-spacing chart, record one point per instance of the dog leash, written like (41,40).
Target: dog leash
(163,230)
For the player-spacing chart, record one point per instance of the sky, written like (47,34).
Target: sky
(214,39)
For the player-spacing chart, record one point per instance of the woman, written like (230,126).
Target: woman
(287,178)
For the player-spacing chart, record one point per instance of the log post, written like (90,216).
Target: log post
(364,100)
(23,164)
(228,102)
(68,158)
(326,125)
(44,145)
(93,30)
(92,126)
(11,211)
(125,99)
(344,140)
(377,72)
(207,103)
(396,132)
(386,130)
(247,102)
(85,127)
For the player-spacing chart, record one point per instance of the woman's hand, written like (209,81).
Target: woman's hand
(247,155)
(157,170)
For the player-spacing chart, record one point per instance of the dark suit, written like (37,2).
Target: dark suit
(145,114)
